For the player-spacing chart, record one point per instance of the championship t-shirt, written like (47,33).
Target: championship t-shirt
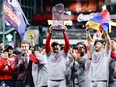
(99,68)
(56,65)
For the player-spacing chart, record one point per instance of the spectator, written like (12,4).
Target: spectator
(23,65)
(7,65)
(1,48)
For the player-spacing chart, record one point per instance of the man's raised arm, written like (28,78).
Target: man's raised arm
(48,38)
(66,39)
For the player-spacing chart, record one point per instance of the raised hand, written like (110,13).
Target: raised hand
(7,63)
(74,54)
(20,62)
(50,29)
(32,37)
(65,28)
(87,28)
(97,35)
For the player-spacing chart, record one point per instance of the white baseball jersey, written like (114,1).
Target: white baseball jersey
(99,68)
(87,72)
(81,71)
(87,66)
(39,71)
(56,65)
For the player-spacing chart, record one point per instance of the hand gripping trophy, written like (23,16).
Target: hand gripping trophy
(58,17)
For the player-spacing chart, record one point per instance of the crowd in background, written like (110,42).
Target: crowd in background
(91,64)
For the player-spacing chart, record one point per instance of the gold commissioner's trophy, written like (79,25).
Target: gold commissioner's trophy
(58,17)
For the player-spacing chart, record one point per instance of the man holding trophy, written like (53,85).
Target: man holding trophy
(56,58)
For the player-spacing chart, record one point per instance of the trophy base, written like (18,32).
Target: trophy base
(58,28)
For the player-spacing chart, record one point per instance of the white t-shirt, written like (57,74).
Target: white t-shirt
(87,72)
(81,69)
(87,66)
(39,71)
(56,65)
(99,68)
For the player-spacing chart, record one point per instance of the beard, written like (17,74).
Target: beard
(82,53)
(96,49)
(55,50)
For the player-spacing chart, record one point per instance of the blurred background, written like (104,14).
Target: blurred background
(76,14)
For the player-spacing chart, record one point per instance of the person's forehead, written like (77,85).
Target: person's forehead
(56,45)
(99,43)
(24,44)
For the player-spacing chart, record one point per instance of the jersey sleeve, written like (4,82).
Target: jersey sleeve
(67,44)
(92,48)
(34,59)
(48,47)
(64,54)
(42,59)
(107,51)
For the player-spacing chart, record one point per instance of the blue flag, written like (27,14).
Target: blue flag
(15,16)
